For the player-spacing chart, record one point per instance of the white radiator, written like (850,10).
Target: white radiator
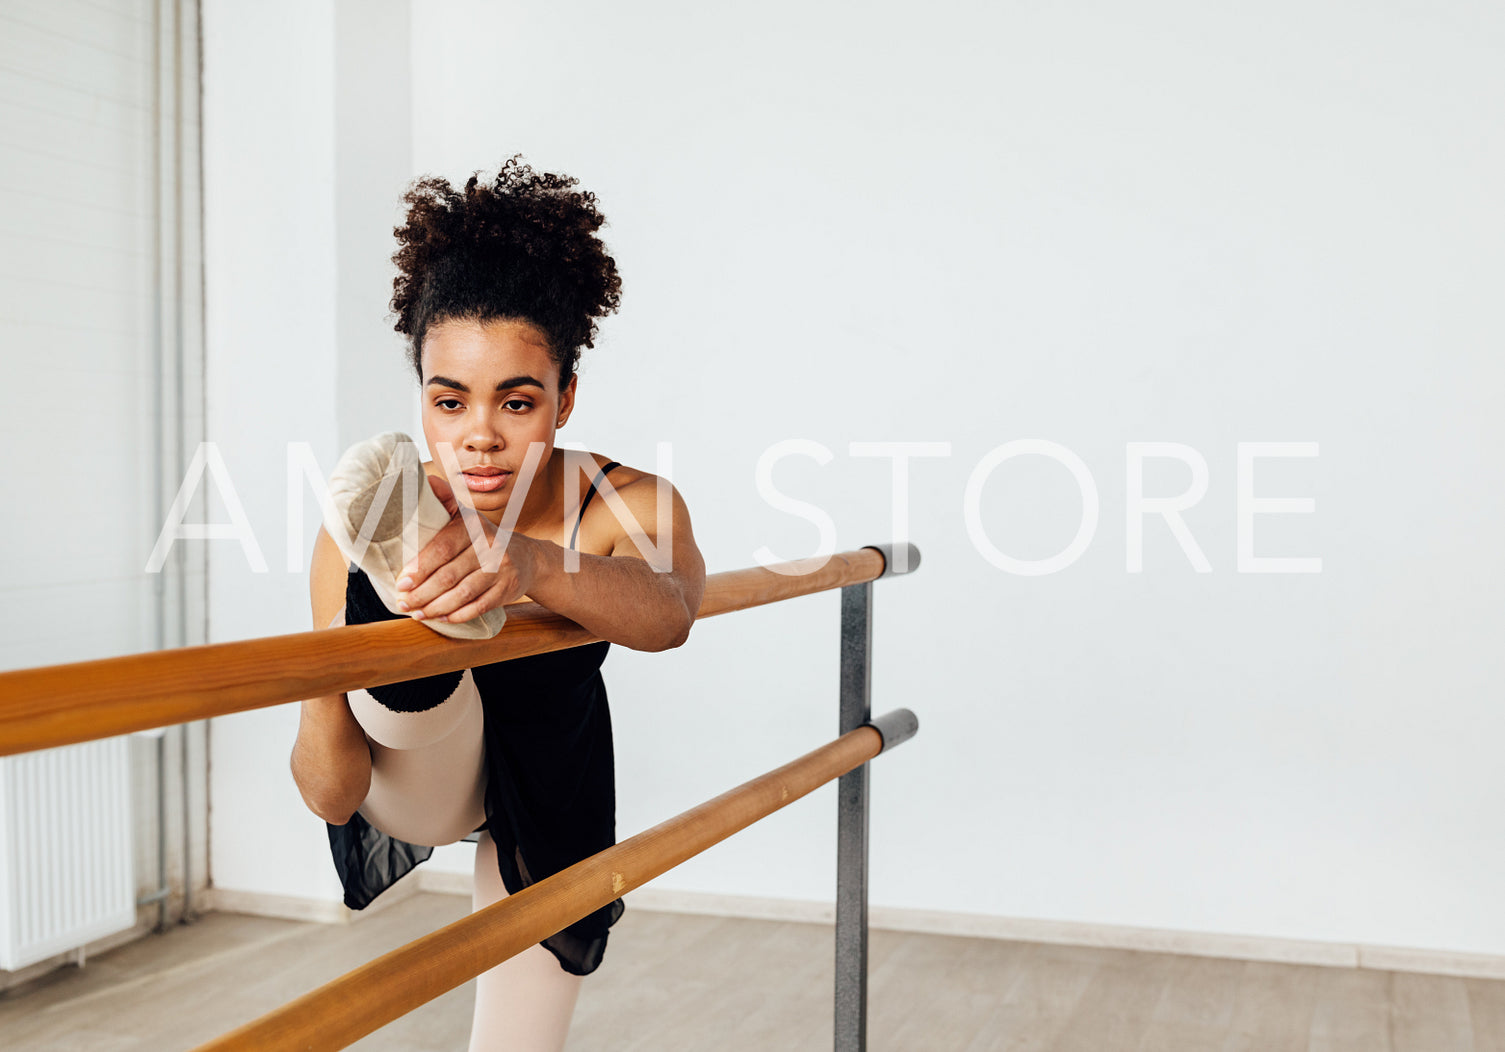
(66,869)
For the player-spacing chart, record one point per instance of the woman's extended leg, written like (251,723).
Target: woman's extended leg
(428,769)
(417,776)
(523,1004)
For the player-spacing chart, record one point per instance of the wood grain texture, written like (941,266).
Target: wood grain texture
(343,1011)
(42,708)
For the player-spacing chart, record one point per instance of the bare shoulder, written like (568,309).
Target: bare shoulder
(591,466)
(624,489)
(642,516)
(327,575)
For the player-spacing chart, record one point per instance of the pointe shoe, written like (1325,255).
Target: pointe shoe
(404,519)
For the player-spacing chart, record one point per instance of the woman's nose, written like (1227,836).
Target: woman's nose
(481,437)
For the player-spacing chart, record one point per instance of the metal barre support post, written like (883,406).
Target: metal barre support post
(852,824)
(852,795)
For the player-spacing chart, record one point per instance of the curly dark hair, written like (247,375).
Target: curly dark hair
(524,246)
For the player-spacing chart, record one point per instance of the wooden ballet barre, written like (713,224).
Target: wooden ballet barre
(41,708)
(348,1008)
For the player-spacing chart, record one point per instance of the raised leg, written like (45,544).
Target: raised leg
(417,776)
(428,769)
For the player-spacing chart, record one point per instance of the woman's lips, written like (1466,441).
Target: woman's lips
(486,483)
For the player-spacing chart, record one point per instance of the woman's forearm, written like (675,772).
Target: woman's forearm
(619,598)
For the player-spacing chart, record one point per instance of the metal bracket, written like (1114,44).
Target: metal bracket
(898,558)
(897,727)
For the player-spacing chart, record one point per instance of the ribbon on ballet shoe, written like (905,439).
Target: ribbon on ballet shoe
(382,512)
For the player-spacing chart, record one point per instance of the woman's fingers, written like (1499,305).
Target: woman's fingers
(462,583)
(470,610)
(440,583)
(472,597)
(451,544)
(448,580)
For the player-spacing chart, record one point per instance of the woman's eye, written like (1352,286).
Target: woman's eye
(517,405)
(448,403)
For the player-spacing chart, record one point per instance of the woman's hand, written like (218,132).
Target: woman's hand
(618,597)
(446,581)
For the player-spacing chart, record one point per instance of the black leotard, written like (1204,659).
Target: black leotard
(550,781)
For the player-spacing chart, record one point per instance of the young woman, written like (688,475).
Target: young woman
(500,286)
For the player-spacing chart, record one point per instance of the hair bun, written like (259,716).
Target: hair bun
(523,245)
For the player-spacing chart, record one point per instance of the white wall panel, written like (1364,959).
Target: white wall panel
(99,375)
(976,223)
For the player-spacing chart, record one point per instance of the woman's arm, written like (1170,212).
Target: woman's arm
(622,597)
(619,597)
(331,761)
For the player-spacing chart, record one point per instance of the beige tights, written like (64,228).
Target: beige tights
(428,774)
(523,1004)
(428,769)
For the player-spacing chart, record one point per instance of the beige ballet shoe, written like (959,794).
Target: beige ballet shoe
(384,512)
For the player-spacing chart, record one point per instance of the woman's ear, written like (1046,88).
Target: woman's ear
(566,402)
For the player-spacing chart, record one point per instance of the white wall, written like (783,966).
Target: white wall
(373,164)
(975,224)
(77,332)
(270,341)
(303,172)
(97,337)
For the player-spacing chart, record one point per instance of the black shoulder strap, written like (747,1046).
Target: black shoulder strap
(586,502)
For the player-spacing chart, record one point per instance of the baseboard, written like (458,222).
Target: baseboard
(1435,962)
(661,900)
(929,922)
(290,907)
(1117,937)
(1071,933)
(436,880)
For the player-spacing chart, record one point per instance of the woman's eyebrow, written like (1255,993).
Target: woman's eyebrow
(506,385)
(518,381)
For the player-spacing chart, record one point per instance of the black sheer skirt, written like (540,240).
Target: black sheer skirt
(550,780)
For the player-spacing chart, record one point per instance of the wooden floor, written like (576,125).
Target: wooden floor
(674,982)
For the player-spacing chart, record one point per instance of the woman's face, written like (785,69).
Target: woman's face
(489,390)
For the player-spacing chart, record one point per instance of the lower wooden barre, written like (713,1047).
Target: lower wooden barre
(42,708)
(359,1002)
